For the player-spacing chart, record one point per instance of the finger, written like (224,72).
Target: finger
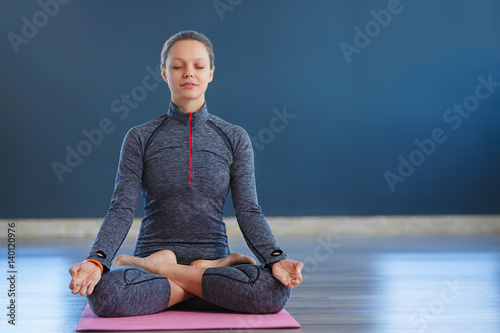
(73,283)
(73,270)
(293,283)
(83,291)
(298,266)
(76,290)
(284,281)
(91,289)
(73,286)
(76,280)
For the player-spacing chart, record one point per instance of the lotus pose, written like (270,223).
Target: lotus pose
(184,163)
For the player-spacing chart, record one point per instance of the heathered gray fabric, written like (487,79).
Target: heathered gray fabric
(182,216)
(129,291)
(245,288)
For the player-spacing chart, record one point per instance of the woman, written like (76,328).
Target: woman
(184,163)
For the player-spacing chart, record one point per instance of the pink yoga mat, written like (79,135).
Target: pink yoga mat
(185,320)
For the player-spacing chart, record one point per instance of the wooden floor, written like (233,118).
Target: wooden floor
(390,284)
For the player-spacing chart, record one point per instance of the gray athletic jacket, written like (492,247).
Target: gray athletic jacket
(184,166)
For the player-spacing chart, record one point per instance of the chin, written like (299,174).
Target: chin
(188,96)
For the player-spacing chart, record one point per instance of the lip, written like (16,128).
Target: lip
(188,85)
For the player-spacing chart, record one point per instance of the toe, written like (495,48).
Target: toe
(252,261)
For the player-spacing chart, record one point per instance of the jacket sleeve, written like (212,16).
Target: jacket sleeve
(120,215)
(251,220)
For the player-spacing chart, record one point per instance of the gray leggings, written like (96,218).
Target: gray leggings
(134,291)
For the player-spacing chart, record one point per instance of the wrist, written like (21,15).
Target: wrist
(271,264)
(97,263)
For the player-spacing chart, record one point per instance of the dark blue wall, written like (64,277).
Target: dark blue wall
(356,102)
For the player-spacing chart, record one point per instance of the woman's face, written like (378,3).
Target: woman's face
(188,61)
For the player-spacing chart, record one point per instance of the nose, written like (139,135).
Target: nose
(188,72)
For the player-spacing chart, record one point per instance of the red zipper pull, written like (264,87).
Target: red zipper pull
(190,153)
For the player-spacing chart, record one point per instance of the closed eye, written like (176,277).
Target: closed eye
(180,67)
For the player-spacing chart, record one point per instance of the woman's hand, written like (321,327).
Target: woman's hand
(288,272)
(85,276)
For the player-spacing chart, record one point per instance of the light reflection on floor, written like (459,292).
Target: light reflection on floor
(420,291)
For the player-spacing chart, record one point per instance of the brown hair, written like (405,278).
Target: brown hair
(187,35)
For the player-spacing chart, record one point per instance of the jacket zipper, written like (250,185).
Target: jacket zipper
(190,153)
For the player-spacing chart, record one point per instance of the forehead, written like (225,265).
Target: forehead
(188,50)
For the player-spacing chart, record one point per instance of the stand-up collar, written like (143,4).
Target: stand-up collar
(198,117)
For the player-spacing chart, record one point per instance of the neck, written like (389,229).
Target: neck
(189,105)
(194,118)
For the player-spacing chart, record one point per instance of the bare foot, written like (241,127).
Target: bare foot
(125,259)
(151,263)
(231,260)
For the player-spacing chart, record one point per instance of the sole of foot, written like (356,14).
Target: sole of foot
(231,260)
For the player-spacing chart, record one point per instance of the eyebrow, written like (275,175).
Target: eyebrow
(194,59)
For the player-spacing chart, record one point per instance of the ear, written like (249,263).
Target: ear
(211,74)
(163,73)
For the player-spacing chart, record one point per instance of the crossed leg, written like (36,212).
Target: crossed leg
(185,281)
